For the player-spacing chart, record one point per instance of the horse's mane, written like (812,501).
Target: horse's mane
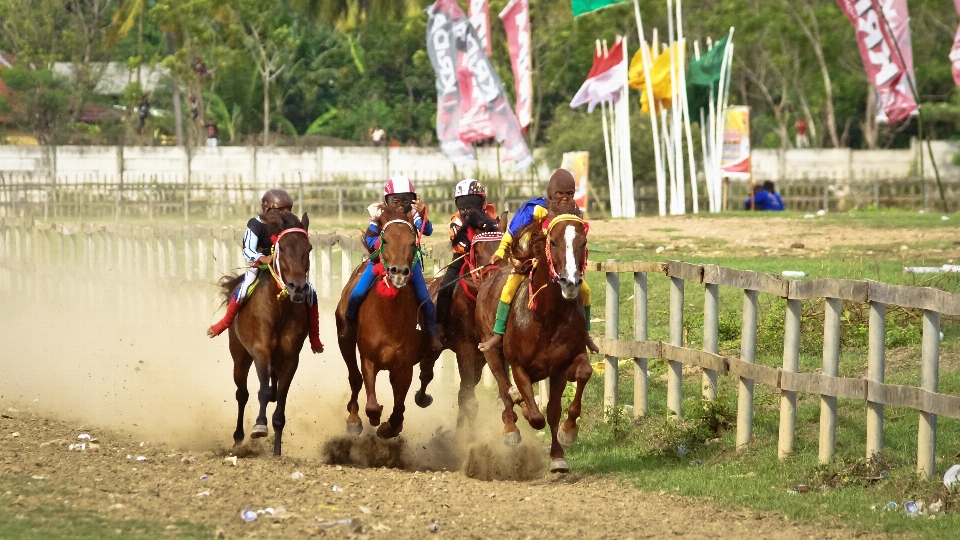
(534,248)
(276,223)
(477,220)
(387,213)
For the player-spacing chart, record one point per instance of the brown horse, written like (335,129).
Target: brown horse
(270,330)
(546,333)
(460,333)
(388,330)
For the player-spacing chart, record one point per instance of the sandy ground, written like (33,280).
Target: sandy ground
(127,363)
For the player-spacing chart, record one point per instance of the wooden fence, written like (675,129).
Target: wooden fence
(787,379)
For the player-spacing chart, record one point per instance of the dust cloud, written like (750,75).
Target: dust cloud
(104,351)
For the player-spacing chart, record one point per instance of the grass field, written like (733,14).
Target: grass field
(644,452)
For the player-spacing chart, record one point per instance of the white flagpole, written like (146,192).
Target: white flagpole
(615,187)
(623,121)
(721,108)
(647,63)
(675,112)
(614,210)
(684,109)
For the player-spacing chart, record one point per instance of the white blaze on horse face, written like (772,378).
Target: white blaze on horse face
(571,288)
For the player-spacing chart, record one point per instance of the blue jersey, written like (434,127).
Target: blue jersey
(764,200)
(525,215)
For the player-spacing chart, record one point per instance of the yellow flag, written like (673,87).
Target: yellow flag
(635,76)
(660,78)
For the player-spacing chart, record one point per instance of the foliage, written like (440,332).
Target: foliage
(42,104)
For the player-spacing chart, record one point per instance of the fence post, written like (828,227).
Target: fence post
(791,364)
(929,381)
(674,368)
(612,324)
(202,256)
(748,353)
(340,205)
(831,365)
(640,401)
(188,264)
(711,336)
(138,253)
(148,244)
(172,253)
(876,355)
(161,259)
(326,270)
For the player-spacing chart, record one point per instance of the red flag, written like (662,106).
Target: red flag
(606,78)
(516,21)
(480,19)
(880,59)
(955,50)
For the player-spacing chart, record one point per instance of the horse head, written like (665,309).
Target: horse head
(566,252)
(399,245)
(292,255)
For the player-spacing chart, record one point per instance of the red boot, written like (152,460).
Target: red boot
(314,313)
(232,309)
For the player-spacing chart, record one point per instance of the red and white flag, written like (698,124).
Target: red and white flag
(606,78)
(955,50)
(899,19)
(880,58)
(479,15)
(516,21)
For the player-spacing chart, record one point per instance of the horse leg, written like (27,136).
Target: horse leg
(470,363)
(241,367)
(273,386)
(347,339)
(263,373)
(511,434)
(400,379)
(580,372)
(279,413)
(558,463)
(373,409)
(422,398)
(528,406)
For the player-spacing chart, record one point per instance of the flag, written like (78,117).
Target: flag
(480,19)
(955,50)
(606,78)
(660,78)
(703,75)
(578,163)
(899,19)
(584,6)
(442,49)
(516,22)
(880,59)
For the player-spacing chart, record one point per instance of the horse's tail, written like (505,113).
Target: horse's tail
(227,284)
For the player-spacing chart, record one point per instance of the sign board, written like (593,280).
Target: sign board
(578,163)
(735,162)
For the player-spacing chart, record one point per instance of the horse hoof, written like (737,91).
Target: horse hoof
(511,439)
(515,395)
(423,399)
(567,438)
(259,431)
(386,431)
(354,429)
(559,465)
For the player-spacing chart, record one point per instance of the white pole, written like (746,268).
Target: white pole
(647,62)
(675,111)
(606,147)
(684,108)
(721,107)
(616,204)
(626,168)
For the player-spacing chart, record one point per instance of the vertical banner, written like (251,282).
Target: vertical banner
(516,21)
(880,59)
(479,11)
(442,49)
(899,19)
(735,159)
(955,50)
(578,163)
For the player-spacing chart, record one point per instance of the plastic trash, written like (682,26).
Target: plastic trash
(793,274)
(338,523)
(15,434)
(434,528)
(141,458)
(911,508)
(248,515)
(821,212)
(365,510)
(891,506)
(681,450)
(936,507)
(944,218)
(336,489)
(808,216)
(231,460)
(35,477)
(84,436)
(661,249)
(203,494)
(296,475)
(79,446)
(203,477)
(922,269)
(951,477)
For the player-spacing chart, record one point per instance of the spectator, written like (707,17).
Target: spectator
(764,197)
(378,137)
(801,127)
(194,106)
(212,133)
(143,111)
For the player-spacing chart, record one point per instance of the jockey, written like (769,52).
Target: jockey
(399,193)
(559,200)
(471,199)
(256,250)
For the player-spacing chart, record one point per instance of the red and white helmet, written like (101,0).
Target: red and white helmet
(398,184)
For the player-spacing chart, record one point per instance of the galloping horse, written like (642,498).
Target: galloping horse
(388,331)
(460,333)
(546,333)
(270,330)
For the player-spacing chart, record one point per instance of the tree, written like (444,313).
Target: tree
(42,101)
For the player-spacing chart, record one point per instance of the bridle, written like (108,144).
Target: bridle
(417,255)
(470,267)
(548,227)
(275,265)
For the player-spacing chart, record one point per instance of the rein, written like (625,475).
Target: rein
(554,277)
(417,255)
(477,273)
(275,251)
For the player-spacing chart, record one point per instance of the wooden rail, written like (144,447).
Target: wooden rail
(828,385)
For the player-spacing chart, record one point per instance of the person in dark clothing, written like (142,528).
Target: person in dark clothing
(764,197)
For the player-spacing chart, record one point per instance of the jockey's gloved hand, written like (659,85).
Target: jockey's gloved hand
(419,206)
(266,259)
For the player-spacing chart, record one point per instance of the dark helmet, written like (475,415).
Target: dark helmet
(276,199)
(561,181)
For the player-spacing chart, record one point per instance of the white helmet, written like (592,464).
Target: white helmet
(469,187)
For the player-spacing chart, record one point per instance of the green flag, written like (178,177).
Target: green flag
(702,76)
(585,6)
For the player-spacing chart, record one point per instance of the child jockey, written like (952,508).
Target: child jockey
(472,210)
(399,193)
(256,250)
(559,200)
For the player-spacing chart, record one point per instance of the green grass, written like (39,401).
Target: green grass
(61,521)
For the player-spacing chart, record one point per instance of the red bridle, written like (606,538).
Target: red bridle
(548,227)
(470,265)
